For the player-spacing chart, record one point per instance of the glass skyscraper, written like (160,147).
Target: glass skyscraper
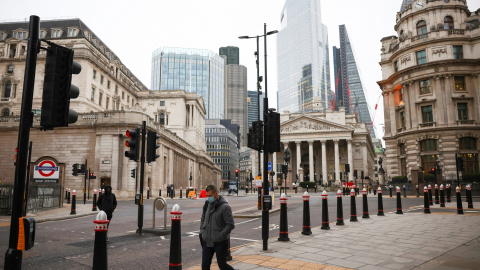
(302,57)
(252,102)
(191,70)
(348,84)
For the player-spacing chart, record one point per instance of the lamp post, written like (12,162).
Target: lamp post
(265,221)
(286,157)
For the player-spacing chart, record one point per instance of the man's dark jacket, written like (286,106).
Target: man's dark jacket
(217,222)
(107,202)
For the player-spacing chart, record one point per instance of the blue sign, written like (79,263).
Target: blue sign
(269,166)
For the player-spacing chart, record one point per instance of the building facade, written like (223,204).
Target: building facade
(348,83)
(431,89)
(232,53)
(191,70)
(303,57)
(253,107)
(111,101)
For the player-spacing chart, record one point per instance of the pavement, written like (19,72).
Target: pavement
(442,240)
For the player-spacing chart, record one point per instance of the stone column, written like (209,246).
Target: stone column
(324,162)
(350,159)
(310,160)
(337,162)
(299,158)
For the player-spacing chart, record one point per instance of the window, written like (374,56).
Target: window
(421,28)
(92,98)
(162,118)
(128,98)
(402,149)
(462,111)
(401,94)
(468,143)
(421,57)
(56,33)
(403,166)
(402,119)
(94,74)
(107,104)
(116,90)
(101,79)
(459,83)
(100,97)
(429,145)
(21,35)
(133,102)
(72,32)
(123,95)
(8,89)
(10,69)
(471,163)
(448,23)
(396,65)
(2,36)
(425,87)
(162,103)
(108,84)
(427,114)
(457,52)
(5,112)
(429,161)
(43,34)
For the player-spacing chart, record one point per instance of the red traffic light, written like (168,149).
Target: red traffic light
(91,174)
(236,170)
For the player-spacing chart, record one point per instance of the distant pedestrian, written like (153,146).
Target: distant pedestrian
(107,202)
(215,227)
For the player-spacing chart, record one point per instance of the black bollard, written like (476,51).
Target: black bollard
(307,230)
(68,198)
(94,208)
(459,202)
(325,223)
(404,191)
(380,202)
(180,192)
(353,207)
(399,201)
(469,196)
(449,193)
(430,199)
(437,201)
(283,235)
(390,187)
(442,196)
(418,192)
(100,258)
(66,193)
(175,240)
(339,208)
(160,192)
(365,204)
(148,193)
(74,203)
(426,204)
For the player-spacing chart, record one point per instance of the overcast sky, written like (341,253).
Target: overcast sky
(133,29)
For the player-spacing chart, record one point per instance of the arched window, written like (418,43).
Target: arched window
(421,28)
(448,23)
(8,89)
(469,148)
(5,112)
(10,69)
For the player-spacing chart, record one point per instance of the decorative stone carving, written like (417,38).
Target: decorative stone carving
(439,51)
(305,124)
(405,59)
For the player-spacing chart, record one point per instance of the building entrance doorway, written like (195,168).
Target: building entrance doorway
(105,182)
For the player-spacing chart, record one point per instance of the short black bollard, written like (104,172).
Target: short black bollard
(100,258)
(68,198)
(426,204)
(437,201)
(459,202)
(339,208)
(180,192)
(353,207)
(390,187)
(442,196)
(449,193)
(325,223)
(380,202)
(175,240)
(399,201)
(365,204)
(404,191)
(307,230)
(418,192)
(74,203)
(469,196)
(430,199)
(283,235)
(148,193)
(160,192)
(94,208)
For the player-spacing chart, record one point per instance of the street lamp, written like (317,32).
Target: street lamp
(265,221)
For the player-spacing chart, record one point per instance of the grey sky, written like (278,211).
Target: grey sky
(133,29)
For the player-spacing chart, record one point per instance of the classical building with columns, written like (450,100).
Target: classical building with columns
(321,143)
(431,89)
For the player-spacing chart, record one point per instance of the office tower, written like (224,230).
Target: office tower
(191,70)
(348,84)
(302,53)
(253,110)
(232,53)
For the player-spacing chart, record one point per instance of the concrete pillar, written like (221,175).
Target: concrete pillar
(337,162)
(350,159)
(310,160)
(324,162)
(299,157)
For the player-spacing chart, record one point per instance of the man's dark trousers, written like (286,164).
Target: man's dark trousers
(221,249)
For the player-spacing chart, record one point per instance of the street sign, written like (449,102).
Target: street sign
(258,181)
(269,166)
(46,172)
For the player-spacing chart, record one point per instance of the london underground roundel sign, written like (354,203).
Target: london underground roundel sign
(46,172)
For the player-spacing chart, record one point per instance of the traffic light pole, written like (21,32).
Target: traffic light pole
(458,177)
(265,213)
(142,170)
(25,201)
(85,184)
(13,256)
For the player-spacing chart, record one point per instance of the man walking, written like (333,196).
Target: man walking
(107,203)
(215,227)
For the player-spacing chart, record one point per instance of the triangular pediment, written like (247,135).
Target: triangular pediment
(305,123)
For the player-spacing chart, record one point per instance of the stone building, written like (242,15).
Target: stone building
(431,89)
(111,101)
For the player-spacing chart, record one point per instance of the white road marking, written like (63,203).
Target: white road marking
(243,239)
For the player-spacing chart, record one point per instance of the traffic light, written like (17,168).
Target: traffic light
(133,143)
(250,138)
(236,173)
(75,169)
(152,146)
(133,173)
(460,164)
(91,176)
(362,175)
(58,88)
(16,151)
(82,169)
(347,168)
(273,125)
(257,135)
(432,170)
(355,175)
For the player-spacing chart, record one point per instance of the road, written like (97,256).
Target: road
(68,244)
